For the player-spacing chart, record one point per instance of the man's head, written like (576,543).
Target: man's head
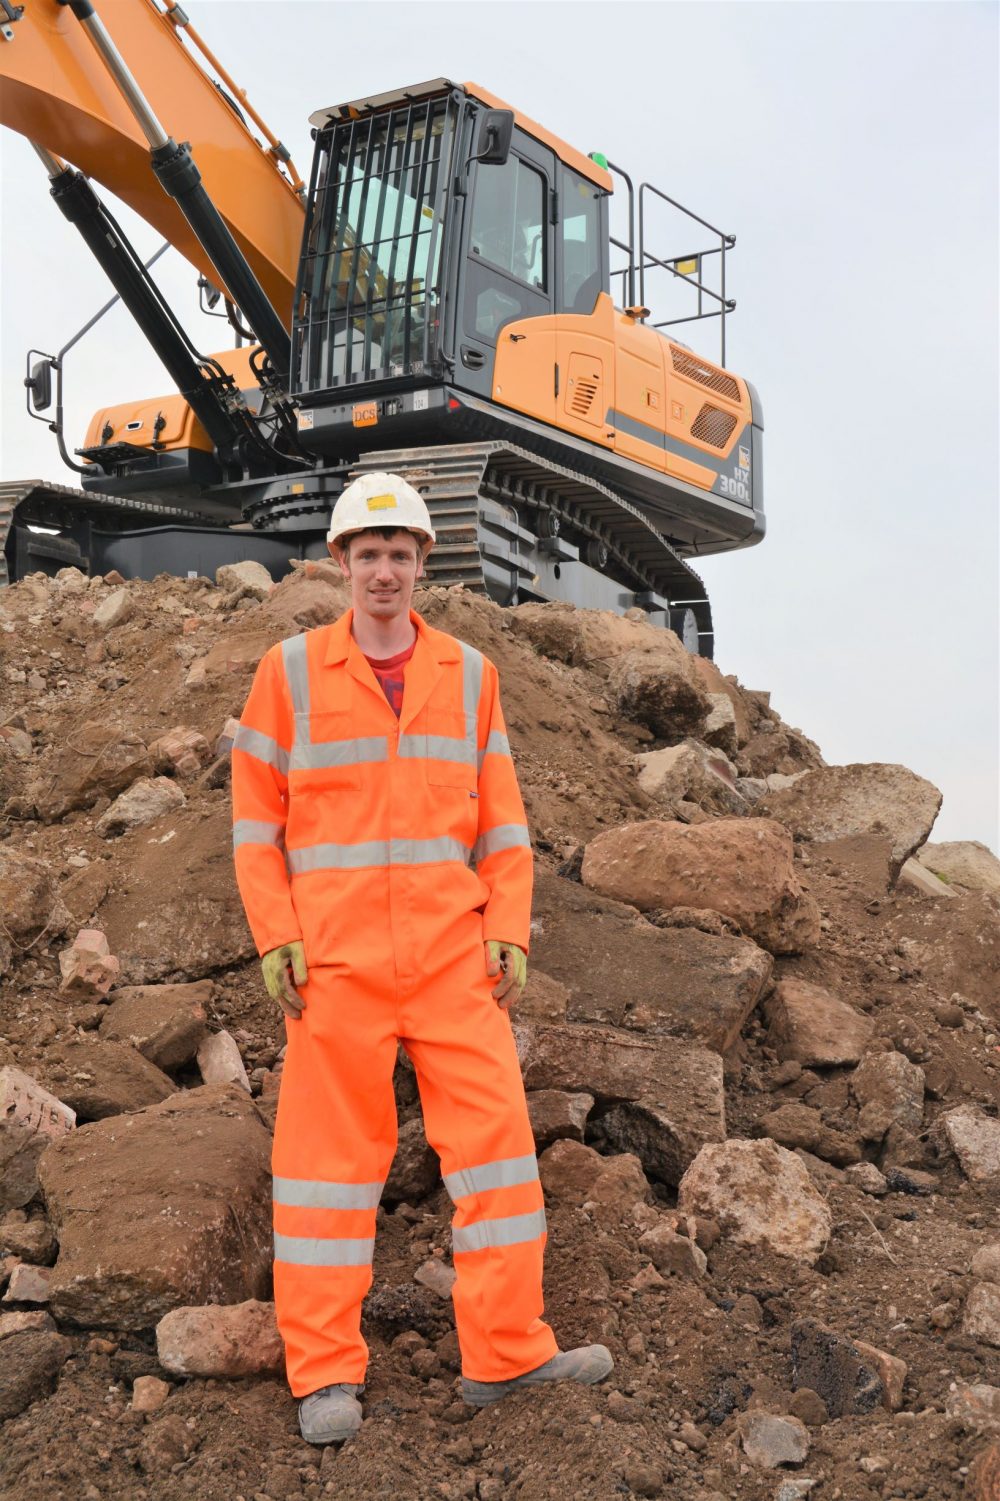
(380,533)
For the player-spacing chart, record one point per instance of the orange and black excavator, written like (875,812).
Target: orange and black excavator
(437,301)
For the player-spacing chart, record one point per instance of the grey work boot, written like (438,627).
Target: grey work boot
(588,1365)
(331,1414)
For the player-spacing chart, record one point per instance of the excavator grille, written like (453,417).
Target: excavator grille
(688,364)
(713,425)
(583,397)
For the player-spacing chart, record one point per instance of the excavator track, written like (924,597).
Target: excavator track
(37,502)
(494,505)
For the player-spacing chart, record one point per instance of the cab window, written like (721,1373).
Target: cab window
(508,221)
(579,242)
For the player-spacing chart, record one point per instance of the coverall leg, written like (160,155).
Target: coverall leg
(337,1114)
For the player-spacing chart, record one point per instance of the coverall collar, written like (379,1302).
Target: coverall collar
(423,671)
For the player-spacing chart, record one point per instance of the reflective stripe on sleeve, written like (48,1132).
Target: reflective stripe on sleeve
(496,745)
(377,852)
(305,1193)
(506,836)
(504,1173)
(508,1231)
(255,831)
(261,747)
(304,1250)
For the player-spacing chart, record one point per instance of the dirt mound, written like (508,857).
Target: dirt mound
(654,1030)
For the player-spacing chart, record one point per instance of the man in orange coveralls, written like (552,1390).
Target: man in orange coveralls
(384,862)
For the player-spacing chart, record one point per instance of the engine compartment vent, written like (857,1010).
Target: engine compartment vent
(713,425)
(688,364)
(582,398)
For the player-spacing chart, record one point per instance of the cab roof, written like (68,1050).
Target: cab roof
(412,95)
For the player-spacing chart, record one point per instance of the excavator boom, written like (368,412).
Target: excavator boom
(54,90)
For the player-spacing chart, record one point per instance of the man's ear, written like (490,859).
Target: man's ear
(424,549)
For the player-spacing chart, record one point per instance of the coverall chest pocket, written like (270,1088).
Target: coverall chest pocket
(327,756)
(451,755)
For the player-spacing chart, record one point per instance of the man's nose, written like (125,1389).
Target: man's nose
(383,569)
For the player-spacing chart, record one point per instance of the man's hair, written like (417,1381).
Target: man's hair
(385,532)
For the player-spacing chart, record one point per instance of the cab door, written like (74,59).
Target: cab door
(507,278)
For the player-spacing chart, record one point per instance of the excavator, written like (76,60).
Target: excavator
(437,300)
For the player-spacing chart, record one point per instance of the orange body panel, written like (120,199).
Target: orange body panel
(55,90)
(392,850)
(623,386)
(565,153)
(181,428)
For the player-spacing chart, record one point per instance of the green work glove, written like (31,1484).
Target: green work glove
(275,966)
(508,960)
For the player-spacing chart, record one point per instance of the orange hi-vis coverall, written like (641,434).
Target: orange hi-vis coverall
(392,849)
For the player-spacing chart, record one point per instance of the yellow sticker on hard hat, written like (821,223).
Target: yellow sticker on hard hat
(382,502)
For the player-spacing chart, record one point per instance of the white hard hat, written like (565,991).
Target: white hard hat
(374,500)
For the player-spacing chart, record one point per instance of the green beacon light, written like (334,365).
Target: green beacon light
(600,159)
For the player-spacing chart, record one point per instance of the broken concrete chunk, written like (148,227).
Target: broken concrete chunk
(246,579)
(88,967)
(555,1114)
(28,1284)
(770,1440)
(982,1313)
(761,1195)
(694,771)
(114,609)
(30,1118)
(99,1079)
(740,867)
(241,1339)
(962,862)
(974,1137)
(167,1023)
(220,1061)
(435,1275)
(890,1089)
(146,800)
(673,1254)
(808,1024)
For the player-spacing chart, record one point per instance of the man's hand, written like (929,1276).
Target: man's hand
(275,968)
(508,960)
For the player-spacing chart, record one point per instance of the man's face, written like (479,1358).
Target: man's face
(382,572)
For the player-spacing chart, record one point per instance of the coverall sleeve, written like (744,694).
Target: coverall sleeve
(260,759)
(503,847)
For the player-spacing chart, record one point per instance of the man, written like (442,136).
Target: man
(384,863)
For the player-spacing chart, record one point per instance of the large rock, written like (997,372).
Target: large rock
(144,802)
(835,802)
(976,1406)
(30,1118)
(772,1439)
(982,1314)
(29,1368)
(245,580)
(694,771)
(239,1340)
(835,1368)
(88,967)
(808,1024)
(618,969)
(664,1098)
(556,1115)
(221,1062)
(184,918)
(99,1079)
(888,1088)
(974,1137)
(168,1207)
(761,1195)
(97,760)
(741,867)
(165,1022)
(650,674)
(29,902)
(963,862)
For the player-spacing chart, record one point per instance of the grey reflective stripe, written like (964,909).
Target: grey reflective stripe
(719,462)
(377,852)
(293,654)
(506,836)
(510,1231)
(496,745)
(438,748)
(307,755)
(254,831)
(302,1250)
(304,1193)
(472,686)
(261,747)
(503,1173)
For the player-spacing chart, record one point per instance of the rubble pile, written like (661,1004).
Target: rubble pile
(761,1044)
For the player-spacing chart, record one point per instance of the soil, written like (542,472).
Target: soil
(685,1353)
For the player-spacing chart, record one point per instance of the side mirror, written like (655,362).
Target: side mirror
(39,384)
(497,129)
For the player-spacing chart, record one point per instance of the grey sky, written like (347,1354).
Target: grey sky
(853,151)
